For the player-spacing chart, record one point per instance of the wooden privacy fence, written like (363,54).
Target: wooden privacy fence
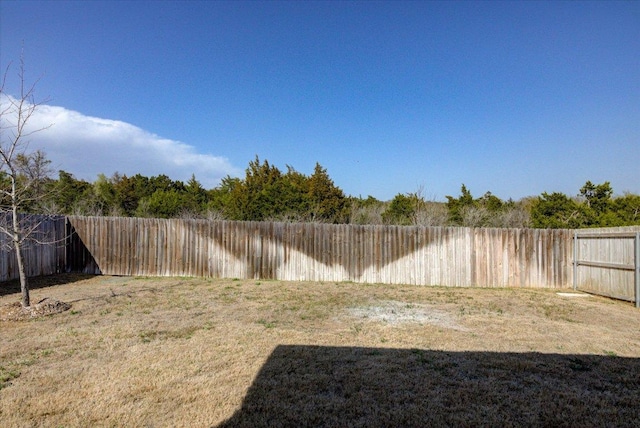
(44,253)
(607,262)
(599,261)
(323,252)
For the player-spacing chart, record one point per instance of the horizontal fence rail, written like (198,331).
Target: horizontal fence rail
(323,252)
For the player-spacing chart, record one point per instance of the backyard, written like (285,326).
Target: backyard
(139,351)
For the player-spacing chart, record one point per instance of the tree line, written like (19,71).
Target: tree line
(266,193)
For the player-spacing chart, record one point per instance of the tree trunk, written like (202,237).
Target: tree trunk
(24,284)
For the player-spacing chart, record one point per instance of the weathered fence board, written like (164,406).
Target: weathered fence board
(606,262)
(323,252)
(44,252)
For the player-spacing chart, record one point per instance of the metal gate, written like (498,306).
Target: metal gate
(607,264)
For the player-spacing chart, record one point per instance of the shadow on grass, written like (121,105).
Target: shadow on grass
(13,286)
(303,386)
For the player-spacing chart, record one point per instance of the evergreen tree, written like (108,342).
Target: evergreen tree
(130,190)
(556,211)
(222,198)
(457,206)
(68,192)
(195,197)
(260,195)
(328,202)
(401,210)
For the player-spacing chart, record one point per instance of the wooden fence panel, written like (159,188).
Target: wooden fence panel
(322,252)
(606,262)
(523,257)
(44,253)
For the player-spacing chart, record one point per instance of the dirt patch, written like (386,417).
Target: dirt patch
(16,312)
(393,312)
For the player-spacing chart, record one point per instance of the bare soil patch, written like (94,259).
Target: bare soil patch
(395,313)
(16,312)
(198,352)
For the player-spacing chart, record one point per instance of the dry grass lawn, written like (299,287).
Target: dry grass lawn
(229,353)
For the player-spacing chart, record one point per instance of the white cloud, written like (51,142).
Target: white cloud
(87,146)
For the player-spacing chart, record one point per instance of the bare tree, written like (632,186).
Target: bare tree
(475,216)
(432,213)
(511,217)
(429,212)
(369,214)
(21,171)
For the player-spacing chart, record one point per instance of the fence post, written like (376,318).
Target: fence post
(637,266)
(67,244)
(575,260)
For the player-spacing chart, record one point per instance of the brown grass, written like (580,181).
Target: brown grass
(196,352)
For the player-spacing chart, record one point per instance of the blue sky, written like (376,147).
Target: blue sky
(516,98)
